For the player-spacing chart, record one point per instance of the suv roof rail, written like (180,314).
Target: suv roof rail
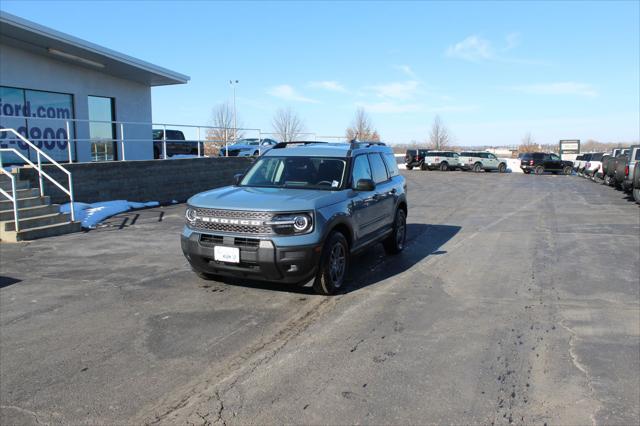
(284,144)
(364,144)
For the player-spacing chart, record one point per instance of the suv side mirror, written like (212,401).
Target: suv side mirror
(237,178)
(365,185)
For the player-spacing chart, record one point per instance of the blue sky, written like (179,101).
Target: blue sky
(493,71)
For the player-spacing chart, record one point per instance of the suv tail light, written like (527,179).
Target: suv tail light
(531,162)
(418,157)
(626,170)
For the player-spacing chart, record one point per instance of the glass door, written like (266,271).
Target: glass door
(102,130)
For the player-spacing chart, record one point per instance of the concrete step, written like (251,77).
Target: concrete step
(20,184)
(25,202)
(23,193)
(27,212)
(39,232)
(35,221)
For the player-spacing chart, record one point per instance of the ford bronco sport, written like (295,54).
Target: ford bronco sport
(298,213)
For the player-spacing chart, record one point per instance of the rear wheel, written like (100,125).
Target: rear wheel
(423,166)
(539,170)
(636,194)
(502,168)
(333,265)
(477,167)
(526,172)
(444,166)
(394,243)
(567,170)
(409,167)
(607,180)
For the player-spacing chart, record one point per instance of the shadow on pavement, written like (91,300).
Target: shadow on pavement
(374,265)
(7,281)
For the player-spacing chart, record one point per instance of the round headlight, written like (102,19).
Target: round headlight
(190,214)
(301,223)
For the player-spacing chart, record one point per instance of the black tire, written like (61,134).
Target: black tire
(409,167)
(395,242)
(477,168)
(636,194)
(539,170)
(567,170)
(527,172)
(444,166)
(606,180)
(502,168)
(423,166)
(332,270)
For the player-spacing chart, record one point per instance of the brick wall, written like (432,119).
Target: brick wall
(153,180)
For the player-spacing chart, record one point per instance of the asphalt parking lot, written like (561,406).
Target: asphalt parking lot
(516,301)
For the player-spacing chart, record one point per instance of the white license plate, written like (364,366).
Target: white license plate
(226,254)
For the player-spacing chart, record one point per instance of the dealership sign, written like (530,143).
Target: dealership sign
(41,117)
(570,146)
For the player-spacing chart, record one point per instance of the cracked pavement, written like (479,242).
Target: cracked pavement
(517,301)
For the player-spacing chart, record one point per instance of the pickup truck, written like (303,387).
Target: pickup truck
(176,144)
(593,166)
(636,182)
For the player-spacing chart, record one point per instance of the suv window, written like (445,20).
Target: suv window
(637,157)
(538,156)
(411,152)
(555,157)
(378,168)
(296,172)
(361,169)
(597,157)
(392,165)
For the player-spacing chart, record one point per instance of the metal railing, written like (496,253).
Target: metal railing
(41,174)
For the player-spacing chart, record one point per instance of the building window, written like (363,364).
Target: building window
(102,129)
(39,116)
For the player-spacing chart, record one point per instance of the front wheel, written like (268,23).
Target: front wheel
(409,167)
(502,168)
(394,243)
(567,170)
(423,166)
(539,170)
(334,264)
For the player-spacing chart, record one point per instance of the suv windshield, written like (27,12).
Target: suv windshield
(296,172)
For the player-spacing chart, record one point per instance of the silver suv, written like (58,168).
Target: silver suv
(481,160)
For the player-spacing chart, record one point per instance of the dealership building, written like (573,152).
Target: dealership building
(66,94)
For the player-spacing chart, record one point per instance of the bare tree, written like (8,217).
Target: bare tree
(223,131)
(528,144)
(287,125)
(361,128)
(439,138)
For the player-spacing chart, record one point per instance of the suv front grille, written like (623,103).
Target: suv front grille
(233,227)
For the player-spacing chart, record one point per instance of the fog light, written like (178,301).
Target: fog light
(292,268)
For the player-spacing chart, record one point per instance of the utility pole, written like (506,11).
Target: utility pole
(233,84)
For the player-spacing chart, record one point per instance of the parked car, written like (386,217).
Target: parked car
(540,162)
(632,158)
(580,165)
(175,142)
(577,162)
(593,166)
(636,182)
(298,214)
(415,158)
(441,160)
(620,169)
(247,147)
(481,160)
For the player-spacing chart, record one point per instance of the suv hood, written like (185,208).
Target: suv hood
(265,199)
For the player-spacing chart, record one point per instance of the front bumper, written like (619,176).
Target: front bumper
(260,259)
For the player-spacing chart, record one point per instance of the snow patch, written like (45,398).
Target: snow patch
(92,214)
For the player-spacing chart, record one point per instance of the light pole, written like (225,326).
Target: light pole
(233,84)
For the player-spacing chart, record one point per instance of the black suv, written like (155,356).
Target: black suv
(540,162)
(299,213)
(415,158)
